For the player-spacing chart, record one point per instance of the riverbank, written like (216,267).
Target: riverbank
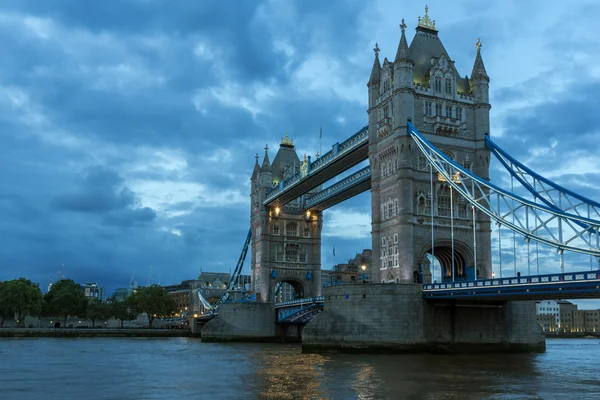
(572,335)
(74,333)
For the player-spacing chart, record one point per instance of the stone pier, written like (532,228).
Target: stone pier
(394,318)
(243,322)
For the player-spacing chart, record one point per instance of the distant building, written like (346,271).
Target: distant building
(357,270)
(212,286)
(563,316)
(92,291)
(122,294)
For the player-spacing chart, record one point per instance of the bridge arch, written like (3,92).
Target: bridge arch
(442,252)
(299,287)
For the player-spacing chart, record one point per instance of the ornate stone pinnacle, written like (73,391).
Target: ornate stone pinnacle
(478,44)
(266,148)
(376,49)
(426,22)
(286,141)
(403,25)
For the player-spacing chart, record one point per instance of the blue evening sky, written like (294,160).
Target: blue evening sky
(129,127)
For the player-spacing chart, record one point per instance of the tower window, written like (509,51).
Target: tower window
(291,255)
(421,162)
(459,113)
(302,257)
(444,202)
(438,109)
(448,111)
(279,256)
(438,84)
(385,111)
(448,86)
(386,85)
(276,230)
(428,108)
(306,232)
(291,229)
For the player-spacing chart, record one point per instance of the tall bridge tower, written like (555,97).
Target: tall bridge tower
(286,241)
(423,85)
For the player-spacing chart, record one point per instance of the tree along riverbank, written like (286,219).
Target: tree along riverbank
(37,332)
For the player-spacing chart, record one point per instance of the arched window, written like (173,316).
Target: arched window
(421,162)
(279,256)
(444,201)
(448,86)
(421,205)
(438,84)
(291,229)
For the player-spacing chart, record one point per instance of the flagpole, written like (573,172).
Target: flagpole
(321,140)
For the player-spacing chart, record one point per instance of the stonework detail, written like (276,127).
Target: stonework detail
(453,112)
(286,241)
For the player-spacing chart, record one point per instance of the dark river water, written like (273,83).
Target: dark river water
(182,368)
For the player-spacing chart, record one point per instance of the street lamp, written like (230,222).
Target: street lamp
(493,275)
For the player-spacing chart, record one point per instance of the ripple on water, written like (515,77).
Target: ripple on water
(164,368)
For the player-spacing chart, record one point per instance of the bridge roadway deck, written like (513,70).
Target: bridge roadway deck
(572,285)
(343,190)
(337,165)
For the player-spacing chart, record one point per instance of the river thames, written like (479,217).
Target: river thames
(184,368)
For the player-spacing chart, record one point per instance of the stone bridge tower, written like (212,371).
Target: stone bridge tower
(423,85)
(286,240)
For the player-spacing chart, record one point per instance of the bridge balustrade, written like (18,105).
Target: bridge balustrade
(338,150)
(350,181)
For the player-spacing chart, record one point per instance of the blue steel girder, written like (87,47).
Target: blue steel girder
(340,158)
(543,189)
(352,185)
(534,221)
(298,311)
(572,285)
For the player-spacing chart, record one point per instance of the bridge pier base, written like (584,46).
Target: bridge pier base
(242,322)
(394,318)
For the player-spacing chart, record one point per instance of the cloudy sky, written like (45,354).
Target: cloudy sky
(128,128)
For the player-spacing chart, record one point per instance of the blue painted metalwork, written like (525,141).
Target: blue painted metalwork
(233,280)
(568,285)
(347,183)
(339,149)
(524,174)
(299,311)
(531,220)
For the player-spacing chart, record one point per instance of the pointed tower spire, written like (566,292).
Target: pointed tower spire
(266,163)
(403,53)
(478,68)
(376,71)
(256,167)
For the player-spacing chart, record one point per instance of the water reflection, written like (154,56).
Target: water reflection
(185,368)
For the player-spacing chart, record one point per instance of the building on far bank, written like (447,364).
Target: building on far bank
(563,316)
(212,285)
(92,291)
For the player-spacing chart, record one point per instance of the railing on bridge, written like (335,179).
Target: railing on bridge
(349,182)
(572,285)
(299,311)
(339,149)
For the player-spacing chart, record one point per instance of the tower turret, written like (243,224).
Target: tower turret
(375,78)
(479,82)
(404,102)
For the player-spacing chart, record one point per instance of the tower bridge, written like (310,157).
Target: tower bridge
(429,147)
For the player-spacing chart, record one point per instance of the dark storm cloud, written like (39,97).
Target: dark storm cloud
(100,191)
(129,127)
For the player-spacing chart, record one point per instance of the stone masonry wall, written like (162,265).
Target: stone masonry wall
(367,317)
(395,318)
(241,322)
